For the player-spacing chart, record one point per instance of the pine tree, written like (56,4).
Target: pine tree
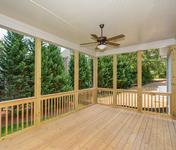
(105,72)
(85,71)
(71,71)
(1,76)
(15,69)
(54,76)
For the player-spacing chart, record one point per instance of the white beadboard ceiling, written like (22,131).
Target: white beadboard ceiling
(142,21)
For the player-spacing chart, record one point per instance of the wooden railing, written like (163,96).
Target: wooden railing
(105,96)
(16,115)
(127,98)
(85,96)
(56,104)
(19,114)
(156,102)
(151,101)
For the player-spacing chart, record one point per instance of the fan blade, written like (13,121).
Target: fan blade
(88,43)
(111,43)
(94,36)
(116,37)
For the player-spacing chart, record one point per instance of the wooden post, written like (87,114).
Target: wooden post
(76,76)
(173,82)
(37,89)
(114,79)
(95,75)
(139,80)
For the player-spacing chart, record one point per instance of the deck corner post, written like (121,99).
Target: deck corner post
(37,84)
(139,80)
(114,79)
(76,76)
(173,81)
(95,79)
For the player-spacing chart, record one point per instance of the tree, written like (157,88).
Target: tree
(85,71)
(71,71)
(1,76)
(105,72)
(152,67)
(16,66)
(54,76)
(126,70)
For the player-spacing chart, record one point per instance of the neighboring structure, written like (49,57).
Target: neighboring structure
(66,54)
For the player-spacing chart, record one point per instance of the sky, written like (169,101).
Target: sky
(2,33)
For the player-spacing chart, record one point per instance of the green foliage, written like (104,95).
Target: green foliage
(16,66)
(85,71)
(126,70)
(54,76)
(71,71)
(152,67)
(105,72)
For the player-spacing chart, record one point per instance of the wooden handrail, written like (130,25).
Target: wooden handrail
(57,94)
(17,101)
(106,89)
(86,90)
(157,93)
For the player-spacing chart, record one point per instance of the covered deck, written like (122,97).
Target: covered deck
(93,118)
(99,127)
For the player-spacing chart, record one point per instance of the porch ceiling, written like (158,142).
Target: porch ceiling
(140,20)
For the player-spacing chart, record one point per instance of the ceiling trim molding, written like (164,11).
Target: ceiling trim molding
(18,26)
(143,46)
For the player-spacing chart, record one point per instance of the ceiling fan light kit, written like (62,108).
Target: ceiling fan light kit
(103,41)
(101,46)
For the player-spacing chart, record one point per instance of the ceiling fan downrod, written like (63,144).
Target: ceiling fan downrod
(101,26)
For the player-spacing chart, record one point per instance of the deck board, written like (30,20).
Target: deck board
(98,127)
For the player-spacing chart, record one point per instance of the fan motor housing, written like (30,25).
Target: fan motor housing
(102,39)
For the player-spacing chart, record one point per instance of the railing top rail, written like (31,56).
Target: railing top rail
(86,90)
(158,93)
(17,101)
(57,94)
(126,90)
(106,89)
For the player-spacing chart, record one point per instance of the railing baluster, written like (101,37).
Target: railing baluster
(41,112)
(17,117)
(12,119)
(159,103)
(27,114)
(22,116)
(6,120)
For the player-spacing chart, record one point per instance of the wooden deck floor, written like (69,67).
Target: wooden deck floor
(98,127)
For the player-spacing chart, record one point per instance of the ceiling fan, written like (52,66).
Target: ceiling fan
(103,41)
